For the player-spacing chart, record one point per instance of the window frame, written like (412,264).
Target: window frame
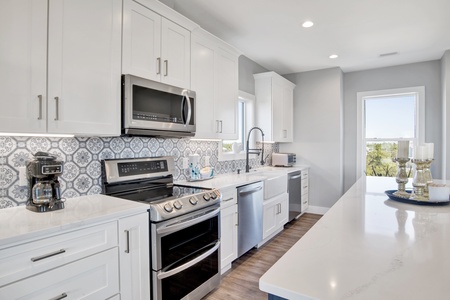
(249,121)
(361,140)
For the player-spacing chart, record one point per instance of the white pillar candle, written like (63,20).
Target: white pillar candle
(420,152)
(403,149)
(430,150)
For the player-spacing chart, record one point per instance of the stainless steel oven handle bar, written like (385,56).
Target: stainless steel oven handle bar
(172,227)
(162,275)
(186,98)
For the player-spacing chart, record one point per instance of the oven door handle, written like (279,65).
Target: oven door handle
(162,275)
(172,227)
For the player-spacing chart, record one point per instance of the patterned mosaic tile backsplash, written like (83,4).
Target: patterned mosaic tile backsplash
(82,156)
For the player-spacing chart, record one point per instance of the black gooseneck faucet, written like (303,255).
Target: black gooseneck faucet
(254,151)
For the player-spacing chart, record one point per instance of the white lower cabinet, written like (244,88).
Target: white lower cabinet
(304,190)
(108,260)
(275,215)
(228,228)
(94,277)
(133,254)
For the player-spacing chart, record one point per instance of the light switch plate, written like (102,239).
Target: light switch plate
(23,176)
(185,163)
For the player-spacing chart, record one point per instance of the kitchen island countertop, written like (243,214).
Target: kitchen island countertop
(368,247)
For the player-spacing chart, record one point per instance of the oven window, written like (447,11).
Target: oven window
(181,284)
(189,243)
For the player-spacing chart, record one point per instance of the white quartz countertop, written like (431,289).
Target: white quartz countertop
(233,180)
(18,223)
(368,247)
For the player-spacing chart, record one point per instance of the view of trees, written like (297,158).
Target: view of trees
(379,159)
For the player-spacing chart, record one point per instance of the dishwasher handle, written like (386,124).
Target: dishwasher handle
(247,192)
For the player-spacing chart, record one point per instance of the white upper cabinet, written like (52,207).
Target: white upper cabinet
(215,80)
(275,106)
(155,47)
(82,53)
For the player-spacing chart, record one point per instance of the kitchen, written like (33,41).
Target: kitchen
(330,166)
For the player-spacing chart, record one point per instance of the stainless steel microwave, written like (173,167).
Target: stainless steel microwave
(151,108)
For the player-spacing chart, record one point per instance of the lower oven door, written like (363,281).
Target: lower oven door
(186,255)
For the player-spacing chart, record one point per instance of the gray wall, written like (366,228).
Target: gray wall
(445,75)
(426,74)
(247,68)
(318,132)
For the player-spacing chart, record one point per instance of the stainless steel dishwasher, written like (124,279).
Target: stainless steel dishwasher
(295,194)
(250,214)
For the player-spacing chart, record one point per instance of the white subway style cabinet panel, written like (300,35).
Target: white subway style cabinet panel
(215,80)
(155,47)
(228,228)
(77,61)
(275,98)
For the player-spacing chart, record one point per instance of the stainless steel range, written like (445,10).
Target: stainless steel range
(184,225)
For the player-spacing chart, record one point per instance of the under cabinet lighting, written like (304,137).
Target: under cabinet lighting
(35,134)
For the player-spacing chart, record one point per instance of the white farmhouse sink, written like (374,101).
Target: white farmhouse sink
(274,184)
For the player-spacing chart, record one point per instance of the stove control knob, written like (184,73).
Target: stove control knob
(206,196)
(213,195)
(177,205)
(168,207)
(193,200)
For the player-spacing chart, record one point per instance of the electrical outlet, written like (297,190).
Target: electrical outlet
(23,176)
(206,161)
(185,163)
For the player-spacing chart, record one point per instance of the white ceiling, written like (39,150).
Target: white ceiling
(270,33)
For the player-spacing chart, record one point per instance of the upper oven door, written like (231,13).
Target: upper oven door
(151,105)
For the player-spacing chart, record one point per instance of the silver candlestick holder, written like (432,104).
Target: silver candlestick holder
(427,174)
(419,180)
(401,177)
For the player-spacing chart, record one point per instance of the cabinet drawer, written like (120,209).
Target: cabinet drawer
(304,175)
(229,197)
(94,277)
(38,256)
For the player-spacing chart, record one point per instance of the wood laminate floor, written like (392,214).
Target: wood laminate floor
(242,281)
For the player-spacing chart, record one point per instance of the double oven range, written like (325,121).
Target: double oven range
(184,225)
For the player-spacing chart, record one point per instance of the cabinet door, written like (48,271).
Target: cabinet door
(23,55)
(277,111)
(134,257)
(228,238)
(175,54)
(226,94)
(141,41)
(84,66)
(270,211)
(203,81)
(288,115)
(283,210)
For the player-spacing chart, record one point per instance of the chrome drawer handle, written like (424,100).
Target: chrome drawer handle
(40,107)
(62,296)
(229,199)
(127,250)
(57,108)
(37,258)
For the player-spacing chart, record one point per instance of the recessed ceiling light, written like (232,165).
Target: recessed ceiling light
(332,56)
(307,24)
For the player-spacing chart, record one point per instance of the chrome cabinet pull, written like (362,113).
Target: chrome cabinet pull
(40,107)
(62,296)
(158,62)
(166,62)
(221,126)
(57,108)
(229,199)
(217,126)
(237,219)
(127,250)
(37,258)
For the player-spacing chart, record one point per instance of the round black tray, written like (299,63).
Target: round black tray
(390,194)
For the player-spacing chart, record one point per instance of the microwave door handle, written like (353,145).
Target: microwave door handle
(187,119)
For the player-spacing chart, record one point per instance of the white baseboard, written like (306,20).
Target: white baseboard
(319,210)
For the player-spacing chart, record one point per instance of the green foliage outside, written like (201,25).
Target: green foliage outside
(379,160)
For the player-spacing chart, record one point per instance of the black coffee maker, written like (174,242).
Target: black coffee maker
(45,190)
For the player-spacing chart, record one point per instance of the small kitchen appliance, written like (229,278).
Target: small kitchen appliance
(151,108)
(45,190)
(283,159)
(184,224)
